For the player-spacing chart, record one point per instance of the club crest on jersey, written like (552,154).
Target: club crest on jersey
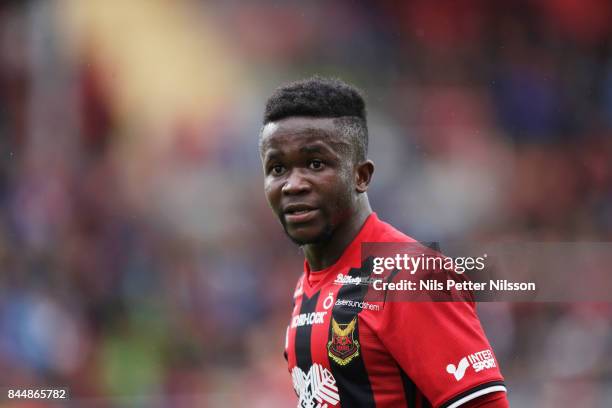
(343,347)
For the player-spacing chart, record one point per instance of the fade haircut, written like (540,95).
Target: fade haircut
(319,97)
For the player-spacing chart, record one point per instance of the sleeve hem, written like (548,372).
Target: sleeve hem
(475,392)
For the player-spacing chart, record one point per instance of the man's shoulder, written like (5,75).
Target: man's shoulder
(385,232)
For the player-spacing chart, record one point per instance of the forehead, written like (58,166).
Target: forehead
(298,130)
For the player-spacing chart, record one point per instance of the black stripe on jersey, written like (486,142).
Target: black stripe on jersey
(352,379)
(410,390)
(471,391)
(303,357)
(414,397)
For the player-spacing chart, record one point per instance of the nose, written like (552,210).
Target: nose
(295,184)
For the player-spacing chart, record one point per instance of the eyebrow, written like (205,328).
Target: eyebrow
(311,148)
(275,154)
(314,148)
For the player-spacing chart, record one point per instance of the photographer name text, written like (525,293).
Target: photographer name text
(451,284)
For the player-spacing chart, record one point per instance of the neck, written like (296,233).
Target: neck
(321,256)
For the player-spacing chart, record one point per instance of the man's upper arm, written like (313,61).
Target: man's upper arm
(442,347)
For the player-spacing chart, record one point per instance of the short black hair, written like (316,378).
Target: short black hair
(320,97)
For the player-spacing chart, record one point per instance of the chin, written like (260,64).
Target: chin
(309,237)
(300,240)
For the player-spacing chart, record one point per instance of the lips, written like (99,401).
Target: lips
(299,213)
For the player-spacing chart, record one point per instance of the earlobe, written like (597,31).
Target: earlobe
(363,176)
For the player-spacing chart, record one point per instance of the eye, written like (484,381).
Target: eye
(316,164)
(277,169)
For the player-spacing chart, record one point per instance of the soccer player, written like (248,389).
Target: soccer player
(343,351)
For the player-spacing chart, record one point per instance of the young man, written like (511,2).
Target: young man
(342,350)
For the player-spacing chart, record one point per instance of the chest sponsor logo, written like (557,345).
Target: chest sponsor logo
(357,305)
(308,319)
(343,347)
(315,389)
(479,361)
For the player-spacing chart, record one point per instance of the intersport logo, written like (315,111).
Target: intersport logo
(458,371)
(479,361)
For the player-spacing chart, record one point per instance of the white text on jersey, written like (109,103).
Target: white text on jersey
(307,319)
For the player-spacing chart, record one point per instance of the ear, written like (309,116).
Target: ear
(363,175)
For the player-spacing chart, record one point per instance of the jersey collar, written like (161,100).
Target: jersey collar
(350,258)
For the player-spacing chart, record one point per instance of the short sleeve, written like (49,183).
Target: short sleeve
(442,347)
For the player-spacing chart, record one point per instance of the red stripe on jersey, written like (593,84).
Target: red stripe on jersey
(290,334)
(383,371)
(318,341)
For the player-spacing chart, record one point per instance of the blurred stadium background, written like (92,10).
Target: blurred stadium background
(139,263)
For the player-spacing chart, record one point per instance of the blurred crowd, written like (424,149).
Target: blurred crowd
(139,262)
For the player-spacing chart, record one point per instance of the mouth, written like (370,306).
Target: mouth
(299,213)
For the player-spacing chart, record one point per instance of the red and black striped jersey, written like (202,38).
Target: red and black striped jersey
(344,351)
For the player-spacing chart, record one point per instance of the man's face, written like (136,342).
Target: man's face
(308,170)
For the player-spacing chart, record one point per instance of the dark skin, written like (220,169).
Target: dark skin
(315,186)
